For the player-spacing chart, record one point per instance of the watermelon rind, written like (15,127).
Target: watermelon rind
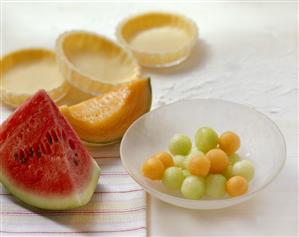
(78,199)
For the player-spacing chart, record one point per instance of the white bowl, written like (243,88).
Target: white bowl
(261,142)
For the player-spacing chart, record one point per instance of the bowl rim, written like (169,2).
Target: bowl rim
(190,202)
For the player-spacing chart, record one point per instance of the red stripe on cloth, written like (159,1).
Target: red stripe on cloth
(70,212)
(71,232)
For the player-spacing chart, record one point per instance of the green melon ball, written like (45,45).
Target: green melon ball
(173,178)
(244,168)
(186,173)
(178,161)
(180,144)
(228,172)
(206,139)
(234,158)
(194,151)
(215,185)
(193,187)
(186,162)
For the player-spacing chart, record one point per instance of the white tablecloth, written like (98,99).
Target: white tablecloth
(247,53)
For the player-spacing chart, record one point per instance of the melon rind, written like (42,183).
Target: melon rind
(78,199)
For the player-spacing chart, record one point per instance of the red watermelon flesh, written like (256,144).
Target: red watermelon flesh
(43,161)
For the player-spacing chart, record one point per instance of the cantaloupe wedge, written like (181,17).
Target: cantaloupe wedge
(105,118)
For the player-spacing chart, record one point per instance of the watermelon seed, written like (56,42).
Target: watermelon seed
(76,162)
(54,135)
(49,138)
(21,153)
(31,152)
(23,159)
(72,144)
(38,153)
(36,149)
(76,154)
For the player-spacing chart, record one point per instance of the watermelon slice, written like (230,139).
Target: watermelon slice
(43,162)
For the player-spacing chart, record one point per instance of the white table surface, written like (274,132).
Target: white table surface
(246,53)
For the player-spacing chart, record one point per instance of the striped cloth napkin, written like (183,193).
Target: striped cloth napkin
(117,208)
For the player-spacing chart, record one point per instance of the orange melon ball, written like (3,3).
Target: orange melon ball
(153,168)
(236,186)
(166,159)
(229,142)
(219,160)
(199,165)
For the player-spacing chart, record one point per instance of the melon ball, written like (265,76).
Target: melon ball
(229,142)
(173,178)
(153,168)
(193,187)
(179,161)
(219,160)
(206,139)
(215,185)
(199,165)
(244,168)
(236,186)
(180,144)
(166,158)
